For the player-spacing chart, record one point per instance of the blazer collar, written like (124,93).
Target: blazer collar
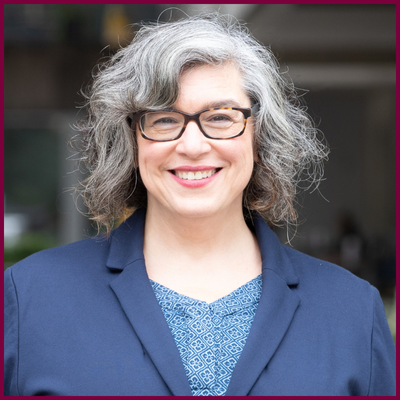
(135,294)
(276,309)
(272,254)
(127,246)
(127,242)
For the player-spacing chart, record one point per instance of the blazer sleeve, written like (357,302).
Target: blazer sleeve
(383,353)
(10,336)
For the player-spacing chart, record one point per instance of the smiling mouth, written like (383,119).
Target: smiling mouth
(195,175)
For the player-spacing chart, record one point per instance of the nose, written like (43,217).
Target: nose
(193,143)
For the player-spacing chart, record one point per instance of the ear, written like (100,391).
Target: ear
(255,156)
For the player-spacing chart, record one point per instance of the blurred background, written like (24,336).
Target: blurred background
(340,57)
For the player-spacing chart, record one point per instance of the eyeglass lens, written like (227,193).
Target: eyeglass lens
(219,124)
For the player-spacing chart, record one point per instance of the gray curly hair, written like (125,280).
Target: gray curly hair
(145,75)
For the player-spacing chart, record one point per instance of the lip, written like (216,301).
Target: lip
(194,183)
(194,168)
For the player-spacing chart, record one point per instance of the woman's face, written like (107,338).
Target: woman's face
(165,165)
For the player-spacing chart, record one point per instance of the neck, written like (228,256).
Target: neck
(190,233)
(204,257)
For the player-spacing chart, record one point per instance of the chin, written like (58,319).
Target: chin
(196,208)
(195,211)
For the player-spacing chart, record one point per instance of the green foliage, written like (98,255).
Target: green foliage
(390,308)
(28,244)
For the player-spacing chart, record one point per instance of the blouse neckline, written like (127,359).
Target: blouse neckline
(231,303)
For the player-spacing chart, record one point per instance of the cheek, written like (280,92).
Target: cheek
(147,160)
(241,156)
(247,156)
(152,159)
(247,150)
(146,153)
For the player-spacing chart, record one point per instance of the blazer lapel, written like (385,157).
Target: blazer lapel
(136,296)
(275,312)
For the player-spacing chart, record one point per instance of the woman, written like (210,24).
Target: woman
(192,126)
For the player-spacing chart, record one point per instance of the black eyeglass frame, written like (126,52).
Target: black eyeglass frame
(247,112)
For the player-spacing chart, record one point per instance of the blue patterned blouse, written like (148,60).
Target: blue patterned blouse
(210,336)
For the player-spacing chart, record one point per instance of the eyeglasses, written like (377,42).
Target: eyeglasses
(215,123)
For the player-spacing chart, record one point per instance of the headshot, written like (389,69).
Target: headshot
(213,252)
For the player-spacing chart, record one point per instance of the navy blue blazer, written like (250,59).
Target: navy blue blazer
(83,320)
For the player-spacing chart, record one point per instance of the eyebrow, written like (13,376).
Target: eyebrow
(220,103)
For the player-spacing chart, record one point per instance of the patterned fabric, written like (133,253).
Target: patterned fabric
(210,337)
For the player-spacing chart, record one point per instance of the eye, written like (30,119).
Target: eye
(164,121)
(219,118)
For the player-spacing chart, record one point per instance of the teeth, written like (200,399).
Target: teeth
(190,175)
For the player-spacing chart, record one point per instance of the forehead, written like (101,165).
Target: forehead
(209,86)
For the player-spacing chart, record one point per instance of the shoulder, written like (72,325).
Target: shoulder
(58,279)
(319,271)
(330,287)
(307,273)
(88,260)
(69,259)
